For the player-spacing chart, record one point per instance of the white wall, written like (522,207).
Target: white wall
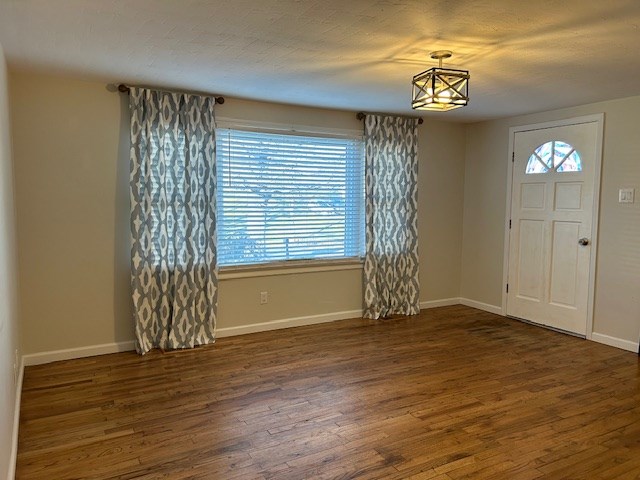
(73,218)
(617,288)
(8,285)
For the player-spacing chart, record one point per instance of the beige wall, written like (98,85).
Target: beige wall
(484,209)
(72,200)
(72,203)
(8,284)
(617,294)
(440,195)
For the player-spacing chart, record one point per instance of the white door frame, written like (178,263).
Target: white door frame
(595,118)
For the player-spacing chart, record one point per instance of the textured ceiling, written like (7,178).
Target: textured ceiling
(358,55)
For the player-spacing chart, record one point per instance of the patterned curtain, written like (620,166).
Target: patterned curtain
(173,219)
(391,183)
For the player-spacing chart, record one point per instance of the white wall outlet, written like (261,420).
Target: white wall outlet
(264,298)
(625,195)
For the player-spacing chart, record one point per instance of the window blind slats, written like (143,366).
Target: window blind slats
(288,197)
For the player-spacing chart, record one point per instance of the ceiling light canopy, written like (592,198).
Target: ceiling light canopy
(440,89)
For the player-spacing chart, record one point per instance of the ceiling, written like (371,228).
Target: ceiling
(356,55)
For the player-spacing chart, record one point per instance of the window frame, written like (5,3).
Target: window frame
(287,267)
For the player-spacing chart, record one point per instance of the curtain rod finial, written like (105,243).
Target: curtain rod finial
(123,88)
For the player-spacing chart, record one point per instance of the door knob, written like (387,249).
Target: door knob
(583,241)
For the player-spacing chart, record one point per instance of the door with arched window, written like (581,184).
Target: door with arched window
(551,235)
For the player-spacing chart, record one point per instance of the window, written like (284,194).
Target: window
(554,156)
(288,197)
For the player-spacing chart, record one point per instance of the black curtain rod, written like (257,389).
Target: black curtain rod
(362,115)
(126,89)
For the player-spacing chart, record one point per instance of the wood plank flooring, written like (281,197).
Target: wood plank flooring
(454,393)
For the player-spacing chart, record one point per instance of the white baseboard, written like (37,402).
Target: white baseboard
(287,323)
(615,342)
(313,319)
(80,352)
(90,351)
(444,302)
(16,424)
(481,306)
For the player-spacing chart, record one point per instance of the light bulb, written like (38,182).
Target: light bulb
(443,97)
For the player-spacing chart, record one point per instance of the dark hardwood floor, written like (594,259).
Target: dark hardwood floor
(453,393)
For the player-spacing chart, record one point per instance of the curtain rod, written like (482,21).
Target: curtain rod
(362,115)
(126,89)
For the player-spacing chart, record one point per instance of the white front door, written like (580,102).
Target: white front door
(552,202)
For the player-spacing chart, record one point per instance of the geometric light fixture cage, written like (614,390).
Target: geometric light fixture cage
(440,89)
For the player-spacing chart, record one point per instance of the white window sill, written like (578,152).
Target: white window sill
(288,268)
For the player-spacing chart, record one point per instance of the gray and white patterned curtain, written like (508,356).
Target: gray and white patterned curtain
(173,219)
(391,184)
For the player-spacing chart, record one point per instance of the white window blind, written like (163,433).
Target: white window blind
(288,197)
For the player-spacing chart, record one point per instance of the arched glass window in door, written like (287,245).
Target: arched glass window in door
(554,156)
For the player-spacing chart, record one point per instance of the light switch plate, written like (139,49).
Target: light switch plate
(625,195)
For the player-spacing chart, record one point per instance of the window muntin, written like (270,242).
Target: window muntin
(288,197)
(555,156)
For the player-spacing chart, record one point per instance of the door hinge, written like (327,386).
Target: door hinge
(507,288)
(513,156)
(509,224)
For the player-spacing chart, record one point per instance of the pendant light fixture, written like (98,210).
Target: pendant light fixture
(440,89)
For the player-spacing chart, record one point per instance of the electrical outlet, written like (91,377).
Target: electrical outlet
(625,195)
(264,298)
